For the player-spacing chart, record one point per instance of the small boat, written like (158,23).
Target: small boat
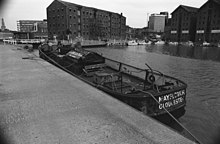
(143,42)
(146,90)
(173,43)
(190,43)
(160,42)
(132,43)
(205,43)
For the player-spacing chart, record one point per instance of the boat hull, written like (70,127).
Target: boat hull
(144,103)
(167,119)
(132,43)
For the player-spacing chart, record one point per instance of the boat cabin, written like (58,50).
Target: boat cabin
(84,57)
(84,60)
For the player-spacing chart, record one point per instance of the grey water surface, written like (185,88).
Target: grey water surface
(199,67)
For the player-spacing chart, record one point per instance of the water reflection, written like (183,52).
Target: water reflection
(204,53)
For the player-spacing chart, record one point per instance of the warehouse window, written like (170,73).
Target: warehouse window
(78,12)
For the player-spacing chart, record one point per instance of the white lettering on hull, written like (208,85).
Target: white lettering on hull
(171,99)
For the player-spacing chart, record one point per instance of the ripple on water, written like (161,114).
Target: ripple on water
(202,76)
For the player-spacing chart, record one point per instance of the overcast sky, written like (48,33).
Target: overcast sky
(135,11)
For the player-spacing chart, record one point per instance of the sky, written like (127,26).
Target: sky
(135,11)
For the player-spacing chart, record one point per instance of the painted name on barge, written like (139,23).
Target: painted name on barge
(172,99)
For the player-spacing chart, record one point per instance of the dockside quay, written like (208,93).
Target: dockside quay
(39,103)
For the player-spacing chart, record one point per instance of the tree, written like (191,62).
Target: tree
(68,33)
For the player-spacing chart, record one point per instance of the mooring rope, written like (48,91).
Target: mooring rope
(196,139)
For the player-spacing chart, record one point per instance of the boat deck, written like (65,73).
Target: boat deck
(125,83)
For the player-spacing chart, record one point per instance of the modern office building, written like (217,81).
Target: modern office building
(26,25)
(71,20)
(183,24)
(37,27)
(40,29)
(157,23)
(166,17)
(208,22)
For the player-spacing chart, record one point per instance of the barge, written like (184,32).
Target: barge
(146,90)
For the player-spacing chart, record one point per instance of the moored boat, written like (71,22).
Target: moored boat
(147,90)
(132,43)
(160,42)
(141,42)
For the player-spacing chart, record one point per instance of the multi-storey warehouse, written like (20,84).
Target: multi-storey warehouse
(208,22)
(183,24)
(65,18)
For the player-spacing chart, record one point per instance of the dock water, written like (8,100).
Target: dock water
(39,103)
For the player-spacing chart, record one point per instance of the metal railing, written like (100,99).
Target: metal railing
(23,41)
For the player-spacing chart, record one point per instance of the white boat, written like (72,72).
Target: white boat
(205,43)
(142,42)
(160,42)
(188,43)
(173,43)
(132,43)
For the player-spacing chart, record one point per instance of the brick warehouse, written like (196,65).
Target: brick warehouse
(208,22)
(90,23)
(183,24)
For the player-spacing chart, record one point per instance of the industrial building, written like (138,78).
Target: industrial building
(183,24)
(208,22)
(196,24)
(68,20)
